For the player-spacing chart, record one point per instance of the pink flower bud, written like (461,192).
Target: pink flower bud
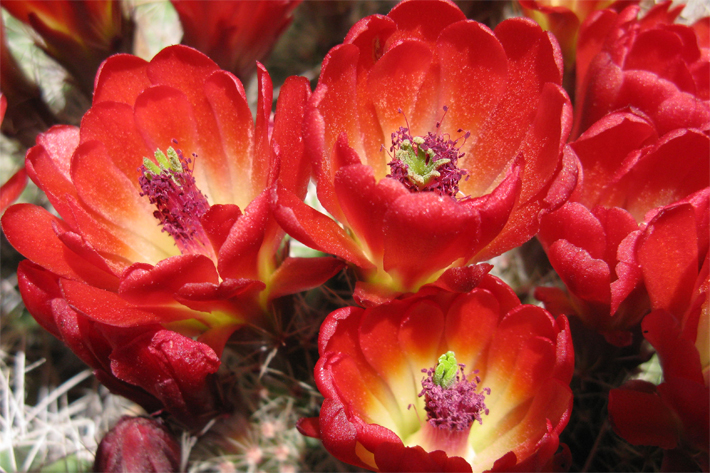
(138,444)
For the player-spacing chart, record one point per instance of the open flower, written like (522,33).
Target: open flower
(444,381)
(437,143)
(652,64)
(628,174)
(234,33)
(165,221)
(78,34)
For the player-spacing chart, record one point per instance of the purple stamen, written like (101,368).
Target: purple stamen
(454,408)
(179,202)
(439,155)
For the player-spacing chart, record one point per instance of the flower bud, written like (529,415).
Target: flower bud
(138,444)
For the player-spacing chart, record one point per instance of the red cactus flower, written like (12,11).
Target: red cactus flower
(235,34)
(681,417)
(497,397)
(628,172)
(652,64)
(563,18)
(152,366)
(165,221)
(437,143)
(79,34)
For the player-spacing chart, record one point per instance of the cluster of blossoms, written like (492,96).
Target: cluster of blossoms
(435,145)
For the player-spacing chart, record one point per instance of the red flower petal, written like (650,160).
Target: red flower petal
(33,232)
(157,284)
(678,355)
(121,78)
(294,172)
(385,87)
(603,147)
(629,408)
(436,229)
(103,188)
(38,287)
(365,202)
(396,457)
(262,171)
(495,210)
(420,334)
(408,17)
(164,114)
(114,125)
(653,183)
(238,255)
(11,190)
(585,231)
(523,357)
(469,53)
(299,274)
(549,173)
(171,367)
(315,229)
(463,279)
(49,164)
(469,336)
(235,125)
(689,400)
(108,308)
(586,276)
(309,426)
(334,104)
(218,222)
(668,256)
(532,63)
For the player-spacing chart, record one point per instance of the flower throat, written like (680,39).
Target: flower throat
(427,163)
(170,186)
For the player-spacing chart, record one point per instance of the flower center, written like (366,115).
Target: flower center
(451,399)
(427,163)
(170,186)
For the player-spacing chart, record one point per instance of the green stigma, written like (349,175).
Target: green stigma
(421,165)
(169,164)
(445,371)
